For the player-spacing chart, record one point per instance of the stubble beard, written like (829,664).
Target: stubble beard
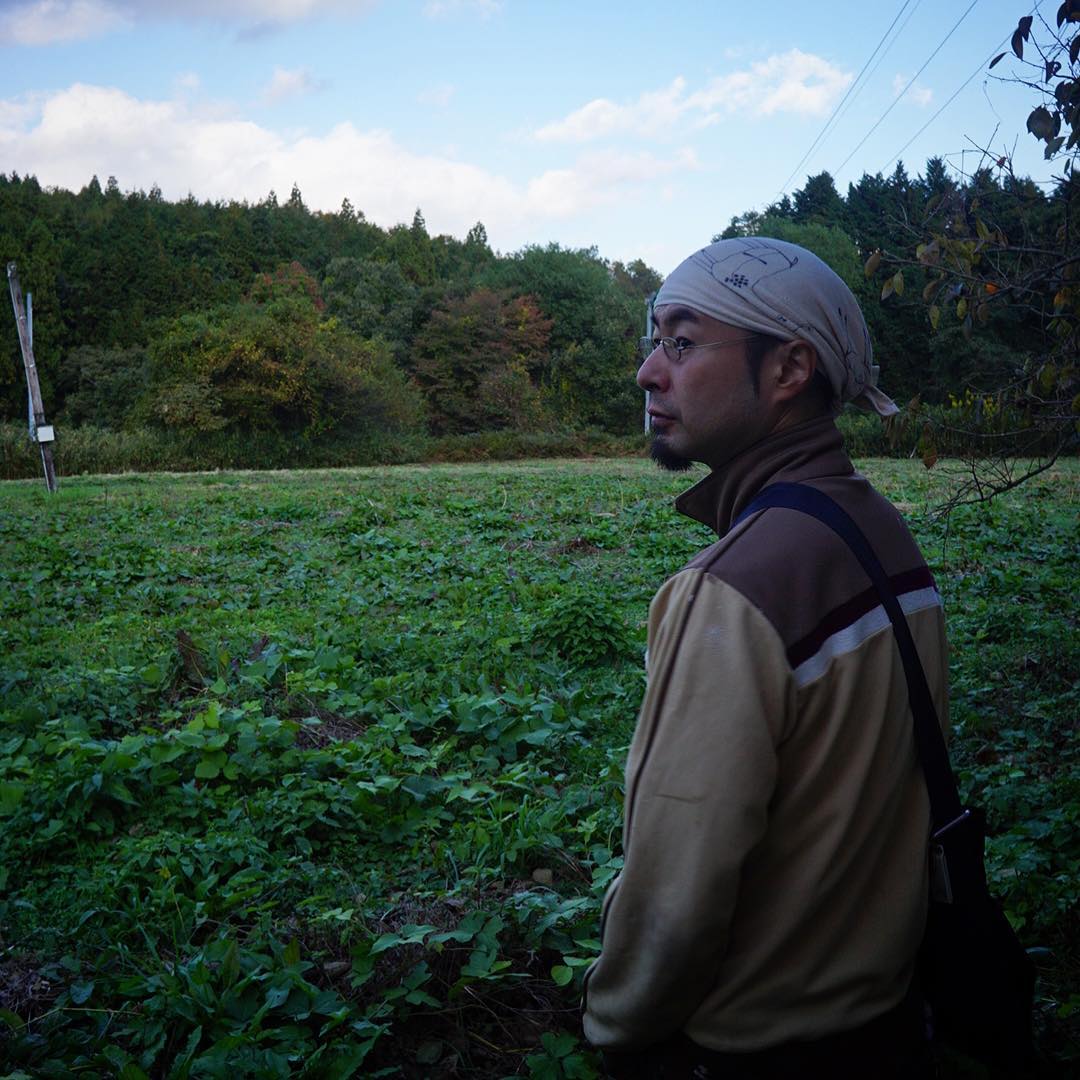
(666,458)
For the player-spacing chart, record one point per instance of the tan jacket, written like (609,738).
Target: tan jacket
(776,818)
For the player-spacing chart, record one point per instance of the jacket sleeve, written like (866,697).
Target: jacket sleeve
(700,775)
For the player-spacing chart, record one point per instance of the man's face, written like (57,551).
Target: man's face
(703,405)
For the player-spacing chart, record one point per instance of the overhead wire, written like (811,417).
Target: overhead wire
(873,70)
(850,91)
(956,93)
(911,82)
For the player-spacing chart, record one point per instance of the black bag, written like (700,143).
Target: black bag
(974,974)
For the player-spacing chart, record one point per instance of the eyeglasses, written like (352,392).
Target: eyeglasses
(673,350)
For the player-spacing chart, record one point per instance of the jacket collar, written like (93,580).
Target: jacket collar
(805,452)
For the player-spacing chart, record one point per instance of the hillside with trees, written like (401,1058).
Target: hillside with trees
(274,320)
(287,335)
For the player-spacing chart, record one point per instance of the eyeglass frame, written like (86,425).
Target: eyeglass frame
(648,346)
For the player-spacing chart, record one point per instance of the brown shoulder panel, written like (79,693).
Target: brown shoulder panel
(801,575)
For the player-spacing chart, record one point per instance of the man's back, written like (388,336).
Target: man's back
(776,815)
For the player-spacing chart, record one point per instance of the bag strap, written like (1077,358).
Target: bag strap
(945,807)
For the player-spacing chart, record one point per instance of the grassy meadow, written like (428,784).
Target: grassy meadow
(318,773)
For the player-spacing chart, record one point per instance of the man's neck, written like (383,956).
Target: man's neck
(802,451)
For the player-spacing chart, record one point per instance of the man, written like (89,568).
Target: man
(774,889)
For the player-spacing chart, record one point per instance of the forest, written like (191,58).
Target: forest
(209,333)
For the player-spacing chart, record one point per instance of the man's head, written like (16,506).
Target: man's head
(762,335)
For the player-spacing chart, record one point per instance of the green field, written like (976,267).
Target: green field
(319,773)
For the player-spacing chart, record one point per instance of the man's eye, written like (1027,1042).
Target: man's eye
(683,342)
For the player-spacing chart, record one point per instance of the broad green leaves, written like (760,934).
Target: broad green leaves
(370,799)
(894,284)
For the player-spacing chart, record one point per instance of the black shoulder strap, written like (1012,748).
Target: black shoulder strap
(944,799)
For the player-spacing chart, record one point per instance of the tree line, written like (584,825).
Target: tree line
(926,346)
(207,316)
(271,318)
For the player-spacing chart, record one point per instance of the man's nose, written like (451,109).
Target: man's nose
(653,374)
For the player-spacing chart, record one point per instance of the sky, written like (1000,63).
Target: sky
(640,129)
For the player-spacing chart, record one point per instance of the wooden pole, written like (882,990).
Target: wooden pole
(30,427)
(42,433)
(650,329)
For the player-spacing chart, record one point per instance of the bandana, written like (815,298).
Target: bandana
(773,287)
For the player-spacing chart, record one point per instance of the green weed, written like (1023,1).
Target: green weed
(319,773)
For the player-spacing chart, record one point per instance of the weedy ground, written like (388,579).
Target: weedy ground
(319,773)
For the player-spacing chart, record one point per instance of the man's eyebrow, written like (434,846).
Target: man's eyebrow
(673,313)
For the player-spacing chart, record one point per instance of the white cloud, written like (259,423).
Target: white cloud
(437,9)
(16,114)
(797,82)
(66,137)
(46,22)
(648,116)
(43,22)
(278,11)
(917,95)
(789,82)
(600,179)
(289,82)
(438,96)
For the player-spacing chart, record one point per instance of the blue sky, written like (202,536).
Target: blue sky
(638,128)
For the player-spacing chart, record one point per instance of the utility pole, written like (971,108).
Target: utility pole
(650,329)
(40,432)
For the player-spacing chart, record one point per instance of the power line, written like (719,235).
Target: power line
(911,83)
(955,95)
(840,103)
(873,71)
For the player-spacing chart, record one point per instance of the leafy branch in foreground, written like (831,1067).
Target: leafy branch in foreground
(999,251)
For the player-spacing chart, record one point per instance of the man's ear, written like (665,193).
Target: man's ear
(794,364)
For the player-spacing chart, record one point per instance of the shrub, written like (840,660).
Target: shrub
(474,359)
(90,450)
(971,427)
(584,628)
(100,386)
(272,364)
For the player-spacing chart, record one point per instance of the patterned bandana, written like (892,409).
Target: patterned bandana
(772,287)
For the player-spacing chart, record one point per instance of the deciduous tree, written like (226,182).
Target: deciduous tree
(999,256)
(271,364)
(477,358)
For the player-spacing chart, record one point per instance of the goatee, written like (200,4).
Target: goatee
(666,458)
